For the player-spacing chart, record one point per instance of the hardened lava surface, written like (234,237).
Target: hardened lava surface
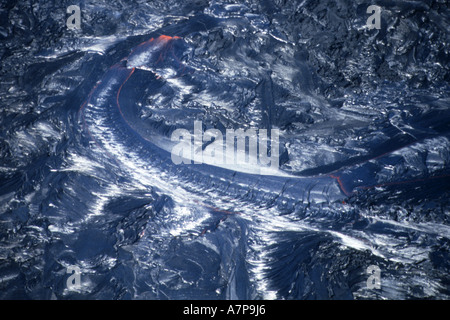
(364,122)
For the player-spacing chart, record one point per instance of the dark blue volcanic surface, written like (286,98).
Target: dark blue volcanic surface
(87,179)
